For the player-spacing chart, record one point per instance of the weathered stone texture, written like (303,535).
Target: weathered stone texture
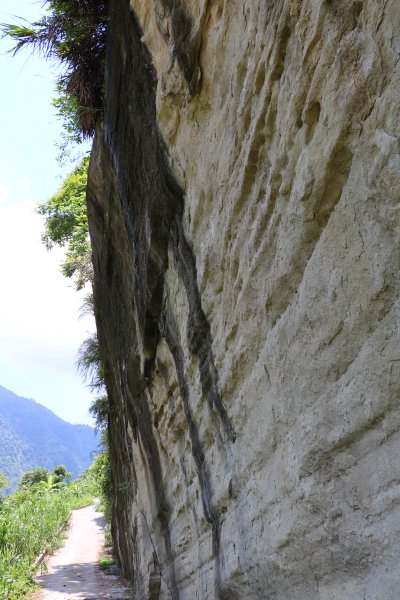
(244,204)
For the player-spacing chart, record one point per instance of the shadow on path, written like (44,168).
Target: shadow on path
(85,581)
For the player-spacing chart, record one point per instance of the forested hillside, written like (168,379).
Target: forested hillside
(31,435)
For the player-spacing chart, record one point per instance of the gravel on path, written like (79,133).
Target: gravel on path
(73,571)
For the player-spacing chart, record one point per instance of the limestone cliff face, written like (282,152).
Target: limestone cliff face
(244,203)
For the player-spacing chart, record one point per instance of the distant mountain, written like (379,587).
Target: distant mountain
(33,436)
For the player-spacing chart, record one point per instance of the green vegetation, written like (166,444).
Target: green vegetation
(3,482)
(73,33)
(66,225)
(36,475)
(60,475)
(90,365)
(100,472)
(106,561)
(42,476)
(31,521)
(32,435)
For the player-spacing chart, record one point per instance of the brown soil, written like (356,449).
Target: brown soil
(74,571)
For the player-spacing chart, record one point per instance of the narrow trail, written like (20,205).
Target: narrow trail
(73,571)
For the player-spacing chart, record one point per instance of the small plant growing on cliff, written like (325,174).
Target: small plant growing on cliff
(73,33)
(90,364)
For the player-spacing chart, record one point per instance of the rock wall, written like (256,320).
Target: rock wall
(244,210)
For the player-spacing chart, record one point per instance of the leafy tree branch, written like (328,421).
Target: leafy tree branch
(66,225)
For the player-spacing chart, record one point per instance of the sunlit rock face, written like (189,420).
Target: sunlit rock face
(244,210)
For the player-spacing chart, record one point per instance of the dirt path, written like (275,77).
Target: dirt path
(73,571)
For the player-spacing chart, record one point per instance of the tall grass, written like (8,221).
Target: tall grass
(30,524)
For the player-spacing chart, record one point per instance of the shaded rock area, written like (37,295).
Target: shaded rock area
(243,202)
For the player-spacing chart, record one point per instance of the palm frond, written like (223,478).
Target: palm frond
(100,410)
(90,364)
(87,306)
(73,34)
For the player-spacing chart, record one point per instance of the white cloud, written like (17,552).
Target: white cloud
(39,309)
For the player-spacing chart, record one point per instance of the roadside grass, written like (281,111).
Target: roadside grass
(31,523)
(106,561)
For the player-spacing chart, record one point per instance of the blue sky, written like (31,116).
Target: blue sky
(40,331)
